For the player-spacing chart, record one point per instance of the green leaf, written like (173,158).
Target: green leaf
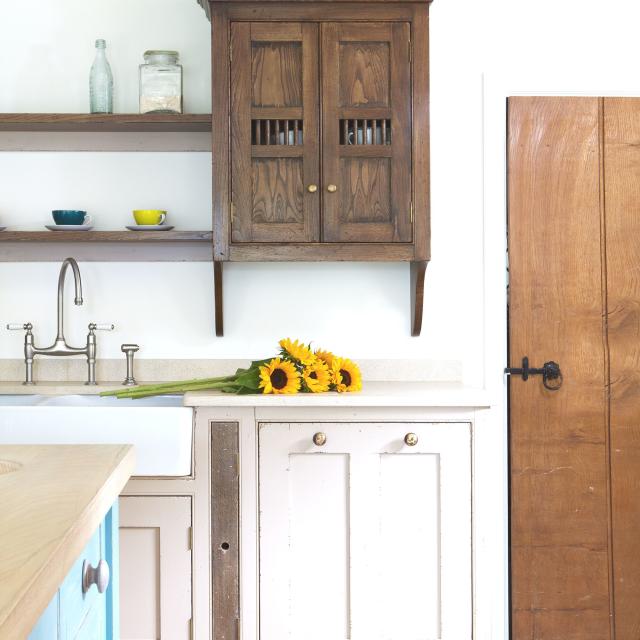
(250,380)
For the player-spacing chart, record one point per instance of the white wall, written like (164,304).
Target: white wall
(47,49)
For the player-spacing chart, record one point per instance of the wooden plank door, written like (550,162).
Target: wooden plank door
(365,537)
(366,140)
(621,128)
(274,132)
(560,543)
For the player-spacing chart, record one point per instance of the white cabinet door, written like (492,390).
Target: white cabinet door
(365,537)
(155,568)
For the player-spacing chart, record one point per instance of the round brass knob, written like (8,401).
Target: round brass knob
(411,439)
(319,438)
(312,188)
(332,188)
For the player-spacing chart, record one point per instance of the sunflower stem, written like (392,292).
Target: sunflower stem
(144,392)
(170,387)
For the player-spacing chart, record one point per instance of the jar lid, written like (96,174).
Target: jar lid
(168,54)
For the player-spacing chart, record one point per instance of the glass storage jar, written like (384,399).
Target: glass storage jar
(161,83)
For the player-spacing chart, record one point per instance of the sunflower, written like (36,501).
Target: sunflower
(297,351)
(279,376)
(316,377)
(326,356)
(346,375)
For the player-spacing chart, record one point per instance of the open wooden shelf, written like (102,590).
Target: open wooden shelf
(95,122)
(106,236)
(107,246)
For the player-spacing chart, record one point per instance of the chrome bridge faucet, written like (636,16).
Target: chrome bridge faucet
(60,346)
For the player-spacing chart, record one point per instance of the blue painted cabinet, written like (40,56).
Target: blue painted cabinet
(73,614)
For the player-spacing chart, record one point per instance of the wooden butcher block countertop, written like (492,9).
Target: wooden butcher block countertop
(52,500)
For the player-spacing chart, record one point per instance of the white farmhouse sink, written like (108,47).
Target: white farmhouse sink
(159,428)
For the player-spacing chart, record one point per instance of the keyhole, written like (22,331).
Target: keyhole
(225,546)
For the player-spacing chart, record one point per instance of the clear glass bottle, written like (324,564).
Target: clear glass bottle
(101,82)
(161,83)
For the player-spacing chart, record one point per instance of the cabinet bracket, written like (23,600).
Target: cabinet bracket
(418,270)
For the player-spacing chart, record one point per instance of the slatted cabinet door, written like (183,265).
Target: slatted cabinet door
(365,537)
(366,150)
(274,132)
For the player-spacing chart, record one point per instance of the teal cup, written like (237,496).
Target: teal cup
(70,216)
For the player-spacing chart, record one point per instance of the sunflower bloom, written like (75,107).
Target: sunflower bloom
(297,351)
(346,375)
(326,357)
(317,377)
(279,376)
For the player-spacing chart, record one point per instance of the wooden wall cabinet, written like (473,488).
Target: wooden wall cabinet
(321,135)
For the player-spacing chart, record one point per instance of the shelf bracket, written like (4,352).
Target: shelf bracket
(418,270)
(217,292)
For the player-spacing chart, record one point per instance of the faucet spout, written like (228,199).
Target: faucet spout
(69,262)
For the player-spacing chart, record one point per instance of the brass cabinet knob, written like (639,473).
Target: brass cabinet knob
(332,188)
(312,188)
(411,439)
(319,438)
(98,575)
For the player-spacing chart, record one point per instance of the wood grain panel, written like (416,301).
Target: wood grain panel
(421,135)
(112,122)
(364,74)
(622,195)
(241,170)
(221,166)
(558,440)
(278,196)
(319,251)
(365,194)
(359,211)
(276,74)
(317,11)
(225,530)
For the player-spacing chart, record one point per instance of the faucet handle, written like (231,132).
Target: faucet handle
(27,326)
(101,327)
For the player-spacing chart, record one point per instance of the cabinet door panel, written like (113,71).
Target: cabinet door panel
(155,567)
(274,131)
(366,102)
(365,538)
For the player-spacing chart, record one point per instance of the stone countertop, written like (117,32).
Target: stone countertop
(58,388)
(53,499)
(373,394)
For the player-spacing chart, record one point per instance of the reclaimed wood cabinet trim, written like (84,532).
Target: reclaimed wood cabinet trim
(225,530)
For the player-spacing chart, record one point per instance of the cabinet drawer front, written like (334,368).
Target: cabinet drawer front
(370,532)
(274,132)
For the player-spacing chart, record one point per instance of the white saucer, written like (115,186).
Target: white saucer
(69,227)
(150,227)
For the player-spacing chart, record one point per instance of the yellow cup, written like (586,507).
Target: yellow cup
(149,216)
